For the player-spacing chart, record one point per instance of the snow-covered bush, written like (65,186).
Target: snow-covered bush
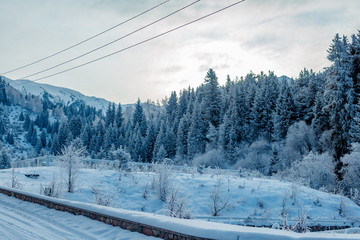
(212,158)
(259,157)
(120,155)
(177,205)
(101,198)
(53,189)
(351,171)
(302,225)
(162,181)
(14,181)
(314,170)
(300,140)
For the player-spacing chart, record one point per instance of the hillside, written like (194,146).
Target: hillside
(57,94)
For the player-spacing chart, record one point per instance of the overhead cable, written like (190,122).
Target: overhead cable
(112,42)
(138,43)
(86,40)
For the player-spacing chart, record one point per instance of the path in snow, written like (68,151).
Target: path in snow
(24,220)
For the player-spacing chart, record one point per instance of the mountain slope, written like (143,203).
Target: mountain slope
(57,94)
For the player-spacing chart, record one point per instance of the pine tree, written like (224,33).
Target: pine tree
(339,98)
(212,99)
(285,112)
(182,136)
(43,138)
(4,160)
(75,125)
(119,119)
(110,115)
(26,122)
(197,131)
(3,96)
(55,145)
(320,122)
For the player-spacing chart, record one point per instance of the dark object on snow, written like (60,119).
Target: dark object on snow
(32,175)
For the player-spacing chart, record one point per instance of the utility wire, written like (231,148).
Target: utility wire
(109,43)
(86,40)
(139,43)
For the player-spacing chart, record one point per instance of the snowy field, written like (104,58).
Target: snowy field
(245,201)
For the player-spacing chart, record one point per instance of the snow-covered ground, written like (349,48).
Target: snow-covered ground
(24,220)
(252,201)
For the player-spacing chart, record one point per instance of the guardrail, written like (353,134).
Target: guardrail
(62,205)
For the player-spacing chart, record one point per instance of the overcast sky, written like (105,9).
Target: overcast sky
(259,35)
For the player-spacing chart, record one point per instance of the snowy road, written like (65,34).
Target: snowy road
(24,220)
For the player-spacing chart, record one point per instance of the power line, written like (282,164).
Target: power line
(109,43)
(139,43)
(88,39)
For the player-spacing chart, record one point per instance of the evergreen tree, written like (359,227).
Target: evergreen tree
(285,112)
(75,125)
(55,145)
(43,139)
(110,115)
(320,122)
(212,99)
(3,96)
(4,160)
(139,119)
(339,98)
(26,122)
(21,117)
(197,131)
(182,136)
(119,119)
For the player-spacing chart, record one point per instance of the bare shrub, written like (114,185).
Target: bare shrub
(220,200)
(302,225)
(101,198)
(177,205)
(53,189)
(162,180)
(14,181)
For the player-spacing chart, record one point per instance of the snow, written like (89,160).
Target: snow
(21,219)
(24,220)
(253,201)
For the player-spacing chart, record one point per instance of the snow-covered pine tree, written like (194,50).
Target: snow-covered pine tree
(197,131)
(285,111)
(339,98)
(212,100)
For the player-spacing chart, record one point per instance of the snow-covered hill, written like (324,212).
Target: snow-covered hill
(57,94)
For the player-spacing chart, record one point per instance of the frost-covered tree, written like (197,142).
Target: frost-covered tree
(5,161)
(212,99)
(300,141)
(71,162)
(258,157)
(3,95)
(314,170)
(197,131)
(285,111)
(339,98)
(351,171)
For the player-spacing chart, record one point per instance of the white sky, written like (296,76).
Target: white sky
(259,35)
